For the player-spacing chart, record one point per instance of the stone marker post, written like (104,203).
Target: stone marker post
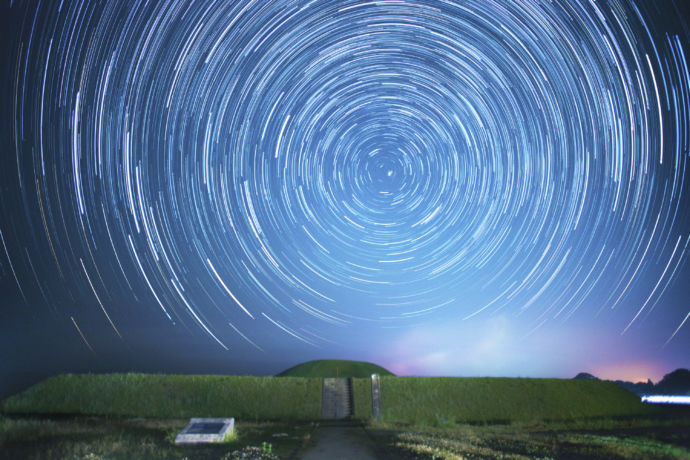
(376,396)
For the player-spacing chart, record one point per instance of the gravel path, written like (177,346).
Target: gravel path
(343,442)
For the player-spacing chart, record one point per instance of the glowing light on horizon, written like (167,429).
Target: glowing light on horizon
(666,399)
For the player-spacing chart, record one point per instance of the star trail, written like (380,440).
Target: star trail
(285,179)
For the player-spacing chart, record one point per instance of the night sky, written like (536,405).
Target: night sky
(462,188)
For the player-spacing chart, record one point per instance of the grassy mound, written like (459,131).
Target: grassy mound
(441,400)
(172,396)
(421,401)
(334,368)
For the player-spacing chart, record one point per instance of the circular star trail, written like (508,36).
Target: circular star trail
(299,167)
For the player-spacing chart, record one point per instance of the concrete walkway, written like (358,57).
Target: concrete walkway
(341,441)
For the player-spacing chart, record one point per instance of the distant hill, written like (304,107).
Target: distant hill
(674,383)
(334,368)
(677,382)
(585,376)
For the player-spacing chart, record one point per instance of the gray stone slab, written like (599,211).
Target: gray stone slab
(336,398)
(376,396)
(205,430)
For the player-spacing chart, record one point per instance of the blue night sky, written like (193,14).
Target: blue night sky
(461,188)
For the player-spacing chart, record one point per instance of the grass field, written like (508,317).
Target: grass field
(172,396)
(116,416)
(335,368)
(106,438)
(117,438)
(633,438)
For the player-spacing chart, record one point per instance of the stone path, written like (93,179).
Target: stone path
(336,398)
(342,442)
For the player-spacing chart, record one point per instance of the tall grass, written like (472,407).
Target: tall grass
(432,401)
(361,393)
(172,396)
(440,400)
(488,442)
(91,437)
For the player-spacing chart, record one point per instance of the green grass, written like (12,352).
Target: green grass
(106,438)
(442,417)
(509,442)
(335,368)
(361,393)
(423,401)
(663,435)
(89,437)
(438,400)
(172,396)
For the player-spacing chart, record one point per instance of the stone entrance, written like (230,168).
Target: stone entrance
(336,398)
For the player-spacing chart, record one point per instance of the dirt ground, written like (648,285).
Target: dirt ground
(342,440)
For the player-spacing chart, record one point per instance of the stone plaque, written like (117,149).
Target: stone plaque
(206,430)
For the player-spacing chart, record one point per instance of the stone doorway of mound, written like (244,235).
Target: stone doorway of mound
(336,398)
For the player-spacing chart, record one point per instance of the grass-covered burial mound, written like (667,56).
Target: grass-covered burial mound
(335,368)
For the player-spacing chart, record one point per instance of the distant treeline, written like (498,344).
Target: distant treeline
(674,383)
